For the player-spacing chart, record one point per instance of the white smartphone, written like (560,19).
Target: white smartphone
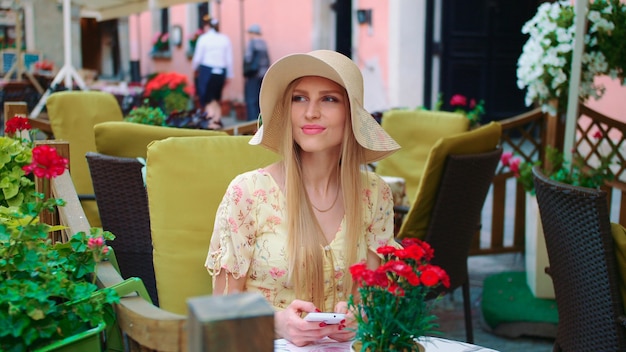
(328,318)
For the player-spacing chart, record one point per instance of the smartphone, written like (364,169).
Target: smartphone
(328,318)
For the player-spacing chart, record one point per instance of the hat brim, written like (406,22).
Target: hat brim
(368,133)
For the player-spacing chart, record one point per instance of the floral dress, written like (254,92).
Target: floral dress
(250,237)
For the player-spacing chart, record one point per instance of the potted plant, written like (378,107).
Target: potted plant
(15,153)
(170,91)
(471,109)
(47,290)
(577,172)
(391,308)
(544,67)
(160,44)
(147,115)
(192,41)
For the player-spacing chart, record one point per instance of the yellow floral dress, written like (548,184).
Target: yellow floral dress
(250,237)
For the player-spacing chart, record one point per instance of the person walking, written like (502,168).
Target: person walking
(213,64)
(255,64)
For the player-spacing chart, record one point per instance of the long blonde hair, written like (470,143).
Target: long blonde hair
(306,241)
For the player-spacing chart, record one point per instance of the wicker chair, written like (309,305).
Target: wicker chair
(455,219)
(448,204)
(583,266)
(123,206)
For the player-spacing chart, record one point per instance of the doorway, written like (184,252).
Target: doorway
(100,48)
(481,41)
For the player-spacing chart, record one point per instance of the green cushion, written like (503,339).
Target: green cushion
(186,180)
(73,114)
(130,140)
(619,236)
(416,131)
(480,140)
(506,299)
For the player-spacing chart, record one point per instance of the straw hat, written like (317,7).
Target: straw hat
(336,67)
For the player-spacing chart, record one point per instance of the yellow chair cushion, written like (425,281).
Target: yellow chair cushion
(416,131)
(186,180)
(619,237)
(130,140)
(72,116)
(480,140)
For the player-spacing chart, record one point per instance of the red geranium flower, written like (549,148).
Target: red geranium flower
(17,123)
(458,100)
(392,299)
(47,163)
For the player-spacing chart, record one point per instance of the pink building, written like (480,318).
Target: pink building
(410,51)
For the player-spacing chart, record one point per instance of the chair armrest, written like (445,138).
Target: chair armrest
(400,209)
(86,197)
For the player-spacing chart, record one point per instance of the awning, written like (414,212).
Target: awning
(108,9)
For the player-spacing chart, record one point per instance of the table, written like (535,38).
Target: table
(432,344)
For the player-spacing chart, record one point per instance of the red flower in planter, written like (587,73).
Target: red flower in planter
(391,307)
(47,163)
(458,100)
(17,123)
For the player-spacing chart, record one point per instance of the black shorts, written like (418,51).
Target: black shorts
(210,85)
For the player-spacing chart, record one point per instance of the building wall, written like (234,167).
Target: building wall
(49,32)
(390,52)
(293,33)
(613,103)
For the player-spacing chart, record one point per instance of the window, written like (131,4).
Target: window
(203,10)
(161,41)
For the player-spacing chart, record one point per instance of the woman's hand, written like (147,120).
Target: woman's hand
(347,328)
(290,326)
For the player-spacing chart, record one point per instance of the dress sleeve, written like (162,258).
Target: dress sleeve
(233,239)
(379,231)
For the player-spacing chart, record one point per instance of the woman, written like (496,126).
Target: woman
(290,231)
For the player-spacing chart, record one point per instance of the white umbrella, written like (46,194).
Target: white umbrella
(67,72)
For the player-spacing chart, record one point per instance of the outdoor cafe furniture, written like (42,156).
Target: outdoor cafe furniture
(72,116)
(416,131)
(449,200)
(431,344)
(186,180)
(583,266)
(116,173)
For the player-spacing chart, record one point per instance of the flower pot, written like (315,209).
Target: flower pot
(357,347)
(536,256)
(89,340)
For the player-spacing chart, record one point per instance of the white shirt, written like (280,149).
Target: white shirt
(213,49)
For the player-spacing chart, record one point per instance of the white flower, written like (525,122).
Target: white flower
(544,66)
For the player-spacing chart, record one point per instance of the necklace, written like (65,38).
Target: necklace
(330,207)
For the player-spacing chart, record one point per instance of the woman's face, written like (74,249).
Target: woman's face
(318,114)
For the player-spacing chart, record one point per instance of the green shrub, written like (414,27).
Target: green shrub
(147,115)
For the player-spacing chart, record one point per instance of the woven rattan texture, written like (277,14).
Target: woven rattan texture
(456,217)
(583,266)
(123,206)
